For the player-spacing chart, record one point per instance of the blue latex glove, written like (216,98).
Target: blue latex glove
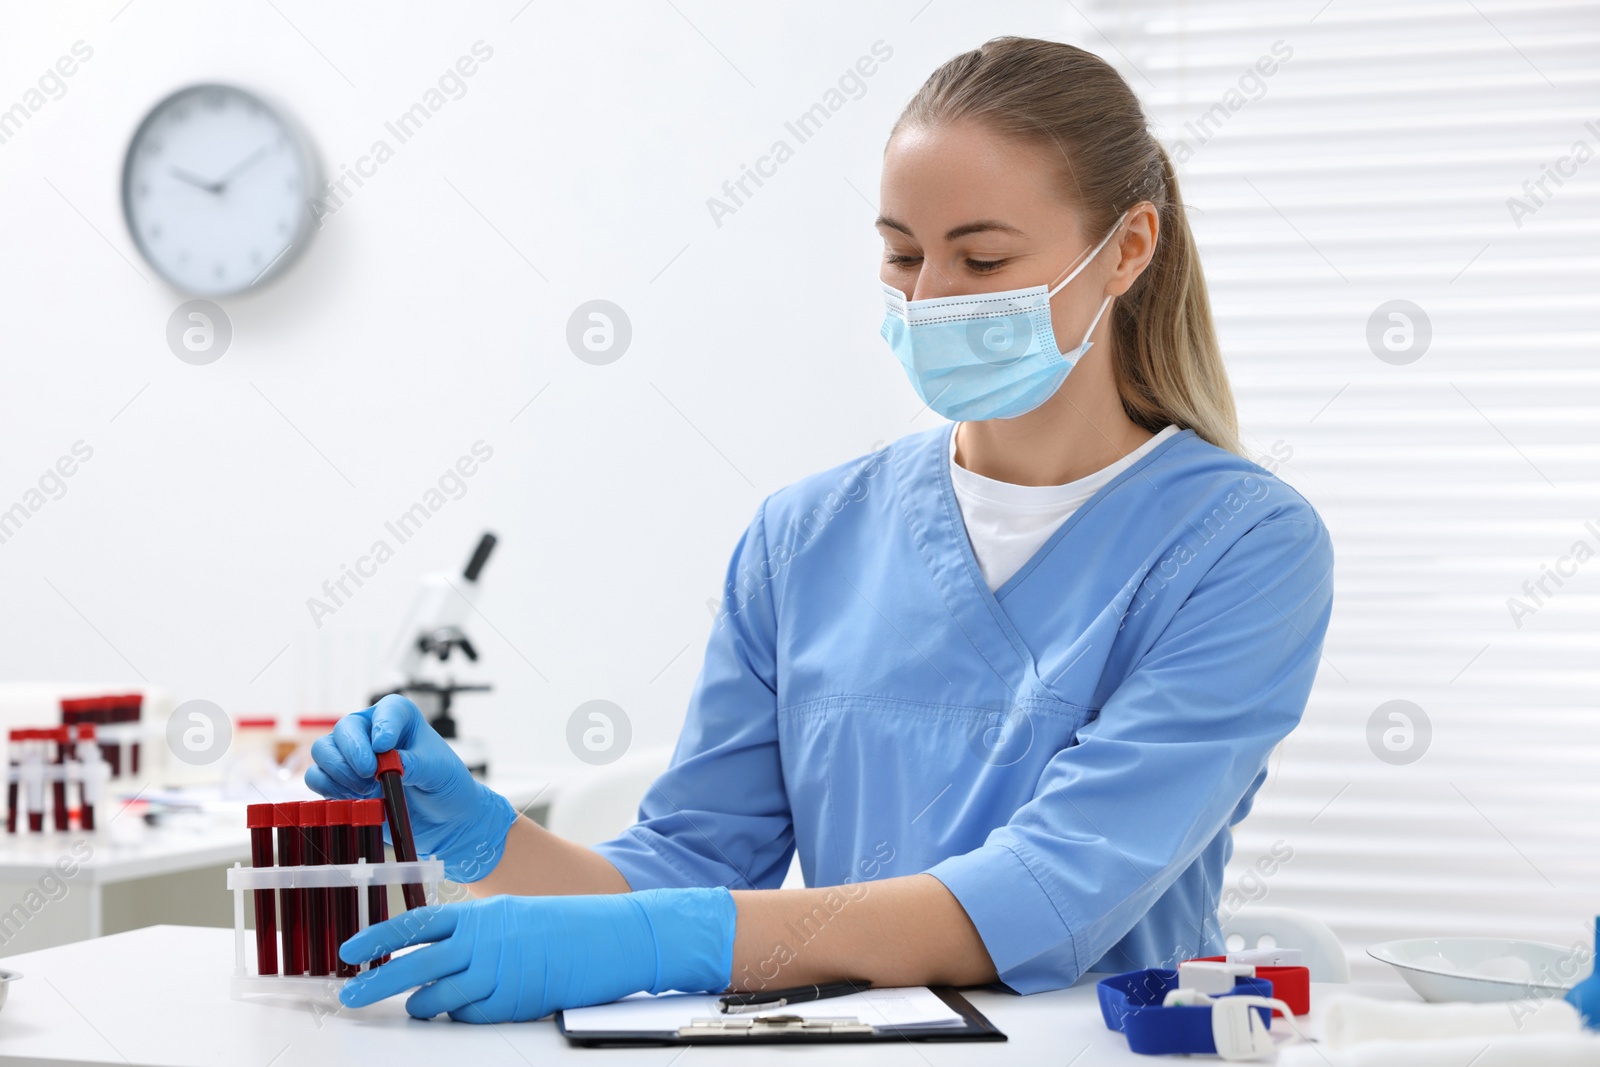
(453,815)
(509,959)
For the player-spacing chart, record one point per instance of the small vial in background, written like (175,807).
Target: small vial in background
(307,729)
(313,818)
(342,849)
(259,819)
(286,822)
(367,815)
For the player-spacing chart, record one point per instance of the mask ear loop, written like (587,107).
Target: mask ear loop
(1078,269)
(1088,260)
(1103,305)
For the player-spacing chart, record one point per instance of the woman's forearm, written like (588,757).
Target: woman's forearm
(538,863)
(900,931)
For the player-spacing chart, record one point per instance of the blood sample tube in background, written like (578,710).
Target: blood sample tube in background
(91,774)
(13,777)
(100,713)
(71,712)
(368,818)
(259,818)
(342,849)
(62,737)
(133,714)
(286,820)
(313,816)
(33,777)
(390,771)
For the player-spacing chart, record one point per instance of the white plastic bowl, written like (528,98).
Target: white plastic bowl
(1481,969)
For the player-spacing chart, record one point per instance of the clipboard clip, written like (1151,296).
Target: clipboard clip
(769,1025)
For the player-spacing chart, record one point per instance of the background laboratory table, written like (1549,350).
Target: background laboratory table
(160,996)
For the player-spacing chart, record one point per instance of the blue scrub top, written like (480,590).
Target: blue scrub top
(1066,754)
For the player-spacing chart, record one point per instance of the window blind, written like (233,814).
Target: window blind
(1396,209)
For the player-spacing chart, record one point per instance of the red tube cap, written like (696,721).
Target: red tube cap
(389,762)
(61,734)
(258,816)
(313,813)
(286,813)
(85,731)
(367,812)
(338,812)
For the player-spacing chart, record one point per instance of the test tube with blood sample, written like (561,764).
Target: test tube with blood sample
(13,776)
(62,737)
(33,777)
(91,773)
(390,771)
(286,820)
(345,902)
(259,818)
(368,818)
(101,711)
(313,818)
(133,713)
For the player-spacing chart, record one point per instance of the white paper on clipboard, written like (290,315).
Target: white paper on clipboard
(901,1007)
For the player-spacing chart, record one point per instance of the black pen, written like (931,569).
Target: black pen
(734,1003)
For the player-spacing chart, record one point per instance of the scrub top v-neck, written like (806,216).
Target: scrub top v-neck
(1006,524)
(1066,754)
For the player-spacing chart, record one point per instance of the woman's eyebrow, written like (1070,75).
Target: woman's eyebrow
(966,228)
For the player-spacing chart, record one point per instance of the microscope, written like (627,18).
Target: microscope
(429,638)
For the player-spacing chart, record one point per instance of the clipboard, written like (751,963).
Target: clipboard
(766,1030)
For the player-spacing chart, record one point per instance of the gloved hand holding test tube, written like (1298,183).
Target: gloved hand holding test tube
(452,815)
(507,957)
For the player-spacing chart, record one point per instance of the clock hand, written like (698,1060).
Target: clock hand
(234,172)
(183,175)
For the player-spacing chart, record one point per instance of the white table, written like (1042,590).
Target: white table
(160,996)
(128,874)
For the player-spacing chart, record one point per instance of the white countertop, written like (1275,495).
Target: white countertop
(160,996)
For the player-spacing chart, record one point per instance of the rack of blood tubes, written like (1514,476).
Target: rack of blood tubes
(326,881)
(44,767)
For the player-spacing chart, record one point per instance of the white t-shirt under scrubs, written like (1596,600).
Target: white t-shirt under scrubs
(1008,523)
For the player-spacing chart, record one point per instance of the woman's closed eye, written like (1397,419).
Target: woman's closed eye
(978,266)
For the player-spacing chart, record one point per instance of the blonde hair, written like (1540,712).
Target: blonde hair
(1168,366)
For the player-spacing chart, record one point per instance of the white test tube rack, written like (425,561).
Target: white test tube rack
(360,875)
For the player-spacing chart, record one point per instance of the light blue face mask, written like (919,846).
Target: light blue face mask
(984,355)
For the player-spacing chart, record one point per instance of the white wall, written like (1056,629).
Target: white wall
(184,551)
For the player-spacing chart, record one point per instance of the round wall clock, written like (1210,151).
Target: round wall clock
(216,190)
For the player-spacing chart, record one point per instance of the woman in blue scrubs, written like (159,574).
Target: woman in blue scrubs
(1005,685)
